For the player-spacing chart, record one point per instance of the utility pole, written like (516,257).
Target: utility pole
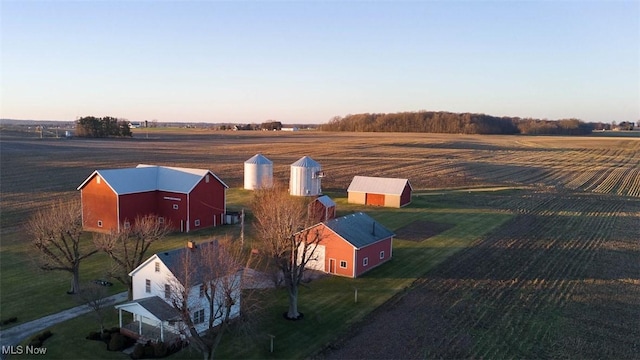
(242,227)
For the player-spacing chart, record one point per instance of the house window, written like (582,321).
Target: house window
(202,288)
(381,254)
(365,261)
(167,291)
(147,286)
(157,266)
(343,264)
(196,222)
(175,206)
(99,223)
(198,317)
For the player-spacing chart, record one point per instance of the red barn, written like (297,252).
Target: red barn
(377,191)
(351,245)
(187,198)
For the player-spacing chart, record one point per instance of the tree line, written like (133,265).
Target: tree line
(94,127)
(454,123)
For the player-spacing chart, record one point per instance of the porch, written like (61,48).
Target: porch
(144,332)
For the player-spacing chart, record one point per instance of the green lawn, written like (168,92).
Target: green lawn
(328,304)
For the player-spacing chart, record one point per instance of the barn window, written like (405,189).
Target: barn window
(127,224)
(147,285)
(381,254)
(343,264)
(196,222)
(175,206)
(161,220)
(206,179)
(98,179)
(157,266)
(99,223)
(198,317)
(365,261)
(167,291)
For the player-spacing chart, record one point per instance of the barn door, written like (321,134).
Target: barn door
(375,199)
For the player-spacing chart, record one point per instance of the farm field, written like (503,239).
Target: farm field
(558,276)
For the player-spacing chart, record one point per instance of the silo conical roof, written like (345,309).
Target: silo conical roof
(259,159)
(306,161)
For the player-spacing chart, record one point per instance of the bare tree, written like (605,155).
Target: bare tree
(283,224)
(57,233)
(95,297)
(208,275)
(128,247)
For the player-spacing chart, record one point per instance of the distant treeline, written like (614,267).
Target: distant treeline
(91,126)
(454,123)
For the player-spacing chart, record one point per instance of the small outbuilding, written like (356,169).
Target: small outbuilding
(322,208)
(350,245)
(378,191)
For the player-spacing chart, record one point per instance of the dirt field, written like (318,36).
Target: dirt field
(559,280)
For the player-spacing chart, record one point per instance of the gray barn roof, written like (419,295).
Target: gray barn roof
(378,185)
(359,229)
(150,178)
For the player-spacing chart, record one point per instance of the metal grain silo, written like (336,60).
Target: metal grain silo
(258,172)
(305,177)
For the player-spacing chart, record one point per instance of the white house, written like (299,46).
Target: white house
(160,280)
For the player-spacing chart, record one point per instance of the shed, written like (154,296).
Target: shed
(186,198)
(379,191)
(322,208)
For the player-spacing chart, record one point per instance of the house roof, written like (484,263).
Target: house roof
(359,229)
(378,185)
(259,159)
(326,201)
(306,162)
(199,264)
(151,178)
(151,306)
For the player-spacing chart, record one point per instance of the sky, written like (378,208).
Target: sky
(309,61)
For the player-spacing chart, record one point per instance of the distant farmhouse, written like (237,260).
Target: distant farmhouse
(188,199)
(378,191)
(351,245)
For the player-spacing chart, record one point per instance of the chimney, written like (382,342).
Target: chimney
(191,244)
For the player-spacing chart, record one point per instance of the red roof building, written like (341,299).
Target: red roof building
(188,199)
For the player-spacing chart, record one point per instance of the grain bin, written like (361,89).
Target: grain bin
(258,172)
(305,177)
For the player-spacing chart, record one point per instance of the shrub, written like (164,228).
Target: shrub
(105,336)
(9,320)
(94,335)
(138,352)
(116,343)
(35,343)
(148,351)
(159,350)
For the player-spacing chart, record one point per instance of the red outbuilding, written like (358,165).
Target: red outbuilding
(351,245)
(322,208)
(188,199)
